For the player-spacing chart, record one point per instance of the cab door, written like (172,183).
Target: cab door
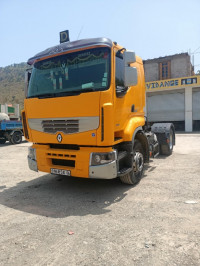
(129,101)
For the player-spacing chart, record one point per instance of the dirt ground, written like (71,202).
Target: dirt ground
(156,222)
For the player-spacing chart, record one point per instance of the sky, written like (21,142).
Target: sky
(151,28)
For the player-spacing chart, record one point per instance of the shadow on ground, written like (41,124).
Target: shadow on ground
(58,197)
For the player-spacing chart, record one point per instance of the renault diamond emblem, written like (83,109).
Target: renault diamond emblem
(59,138)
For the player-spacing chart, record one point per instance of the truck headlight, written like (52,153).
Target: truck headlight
(32,153)
(102,158)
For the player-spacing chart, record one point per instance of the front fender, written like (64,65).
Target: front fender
(134,125)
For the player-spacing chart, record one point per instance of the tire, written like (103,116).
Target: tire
(166,149)
(10,140)
(16,138)
(136,174)
(2,140)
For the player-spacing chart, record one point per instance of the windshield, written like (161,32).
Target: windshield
(72,73)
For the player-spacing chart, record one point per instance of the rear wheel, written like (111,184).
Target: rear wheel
(166,149)
(16,137)
(136,173)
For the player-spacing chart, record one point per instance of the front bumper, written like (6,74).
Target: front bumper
(103,171)
(32,164)
(79,161)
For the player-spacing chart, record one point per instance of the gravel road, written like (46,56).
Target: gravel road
(52,220)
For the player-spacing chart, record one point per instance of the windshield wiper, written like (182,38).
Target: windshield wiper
(66,93)
(46,95)
(87,90)
(62,94)
(54,95)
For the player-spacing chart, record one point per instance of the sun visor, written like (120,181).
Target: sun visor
(63,47)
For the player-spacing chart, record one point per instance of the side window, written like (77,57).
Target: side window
(119,71)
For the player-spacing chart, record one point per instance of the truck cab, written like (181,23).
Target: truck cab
(84,111)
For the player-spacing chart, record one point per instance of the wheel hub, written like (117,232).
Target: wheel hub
(138,162)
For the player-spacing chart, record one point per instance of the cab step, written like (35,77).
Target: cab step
(124,171)
(121,155)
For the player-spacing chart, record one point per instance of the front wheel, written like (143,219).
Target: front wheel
(134,176)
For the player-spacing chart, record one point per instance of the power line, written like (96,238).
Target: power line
(196,50)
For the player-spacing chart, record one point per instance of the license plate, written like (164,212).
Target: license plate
(60,172)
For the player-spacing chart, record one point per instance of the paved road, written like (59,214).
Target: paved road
(113,223)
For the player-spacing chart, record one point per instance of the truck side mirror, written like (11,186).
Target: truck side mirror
(27,79)
(130,76)
(129,57)
(130,73)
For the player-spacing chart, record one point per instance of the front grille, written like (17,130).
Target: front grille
(65,146)
(66,126)
(70,163)
(55,154)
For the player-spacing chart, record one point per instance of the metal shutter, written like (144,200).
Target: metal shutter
(166,106)
(196,104)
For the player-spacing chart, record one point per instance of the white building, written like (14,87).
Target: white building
(175,100)
(173,92)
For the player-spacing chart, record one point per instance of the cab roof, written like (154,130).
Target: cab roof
(63,47)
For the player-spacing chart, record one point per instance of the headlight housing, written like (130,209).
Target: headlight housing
(99,158)
(32,153)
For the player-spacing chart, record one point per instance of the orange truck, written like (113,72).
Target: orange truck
(84,112)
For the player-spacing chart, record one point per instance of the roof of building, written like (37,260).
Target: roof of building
(164,58)
(63,47)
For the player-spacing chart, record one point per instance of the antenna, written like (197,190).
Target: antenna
(80,32)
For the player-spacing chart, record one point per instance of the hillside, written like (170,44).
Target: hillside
(12,84)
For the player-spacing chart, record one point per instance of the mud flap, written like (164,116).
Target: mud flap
(165,133)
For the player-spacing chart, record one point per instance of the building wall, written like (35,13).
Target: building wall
(151,72)
(180,66)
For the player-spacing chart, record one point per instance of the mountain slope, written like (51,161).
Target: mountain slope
(12,84)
